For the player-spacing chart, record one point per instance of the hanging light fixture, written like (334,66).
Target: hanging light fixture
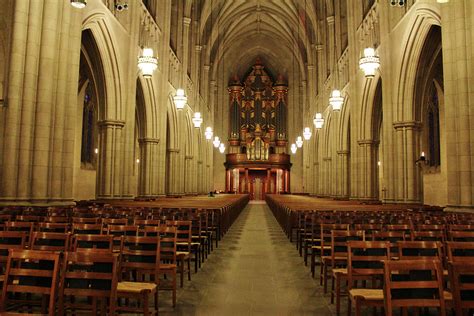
(208,133)
(442,1)
(307,133)
(222,148)
(293,148)
(180,99)
(318,121)
(216,142)
(80,4)
(147,62)
(336,100)
(299,141)
(197,119)
(369,63)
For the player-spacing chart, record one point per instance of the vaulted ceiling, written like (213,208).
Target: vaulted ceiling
(280,32)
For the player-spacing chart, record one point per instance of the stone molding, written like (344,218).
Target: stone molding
(367,142)
(172,150)
(188,157)
(116,123)
(343,152)
(407,125)
(147,140)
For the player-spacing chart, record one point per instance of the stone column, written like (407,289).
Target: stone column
(409,173)
(148,167)
(458,42)
(343,190)
(109,167)
(247,182)
(331,49)
(173,172)
(369,169)
(228,180)
(188,166)
(321,66)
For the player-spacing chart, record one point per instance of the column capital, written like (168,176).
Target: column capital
(198,48)
(330,19)
(327,158)
(116,123)
(188,157)
(173,150)
(407,125)
(310,67)
(319,47)
(199,162)
(362,142)
(343,152)
(150,140)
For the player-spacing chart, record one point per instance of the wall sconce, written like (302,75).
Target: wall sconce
(422,159)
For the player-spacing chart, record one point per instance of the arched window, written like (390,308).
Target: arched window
(89,119)
(432,119)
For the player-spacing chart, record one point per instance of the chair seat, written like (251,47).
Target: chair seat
(135,287)
(167,266)
(182,253)
(367,294)
(448,296)
(319,247)
(339,271)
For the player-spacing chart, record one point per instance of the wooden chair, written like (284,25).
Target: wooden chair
(184,248)
(56,219)
(139,272)
(462,236)
(167,260)
(93,243)
(324,248)
(365,263)
(392,237)
(338,261)
(32,273)
(413,284)
(50,241)
(113,221)
(3,219)
(420,250)
(92,276)
(87,220)
(119,231)
(429,235)
(461,276)
(28,218)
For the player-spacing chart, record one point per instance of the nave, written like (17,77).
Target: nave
(255,271)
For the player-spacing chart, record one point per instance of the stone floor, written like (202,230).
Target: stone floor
(255,271)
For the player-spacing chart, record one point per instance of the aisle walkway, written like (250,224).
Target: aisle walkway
(255,271)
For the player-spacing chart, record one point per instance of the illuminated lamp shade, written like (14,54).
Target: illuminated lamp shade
(208,133)
(307,133)
(197,120)
(180,99)
(147,63)
(293,148)
(216,141)
(80,4)
(369,63)
(299,141)
(222,148)
(336,100)
(318,121)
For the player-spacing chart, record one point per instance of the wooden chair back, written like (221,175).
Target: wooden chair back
(93,242)
(53,227)
(86,229)
(460,251)
(461,235)
(168,241)
(10,240)
(139,257)
(183,234)
(428,235)
(50,241)
(33,273)
(419,250)
(26,227)
(365,260)
(461,277)
(339,240)
(413,283)
(88,274)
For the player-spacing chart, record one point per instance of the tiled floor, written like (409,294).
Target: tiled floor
(255,271)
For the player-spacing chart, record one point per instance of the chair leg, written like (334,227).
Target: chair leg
(338,296)
(325,278)
(357,308)
(181,272)
(313,263)
(333,280)
(145,303)
(189,268)
(349,306)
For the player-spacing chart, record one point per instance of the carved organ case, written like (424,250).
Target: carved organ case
(258,112)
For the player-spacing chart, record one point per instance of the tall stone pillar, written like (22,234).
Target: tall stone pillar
(148,168)
(343,191)
(36,120)
(369,169)
(173,172)
(409,173)
(189,174)
(331,43)
(458,42)
(109,166)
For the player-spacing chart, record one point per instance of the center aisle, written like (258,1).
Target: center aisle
(256,271)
